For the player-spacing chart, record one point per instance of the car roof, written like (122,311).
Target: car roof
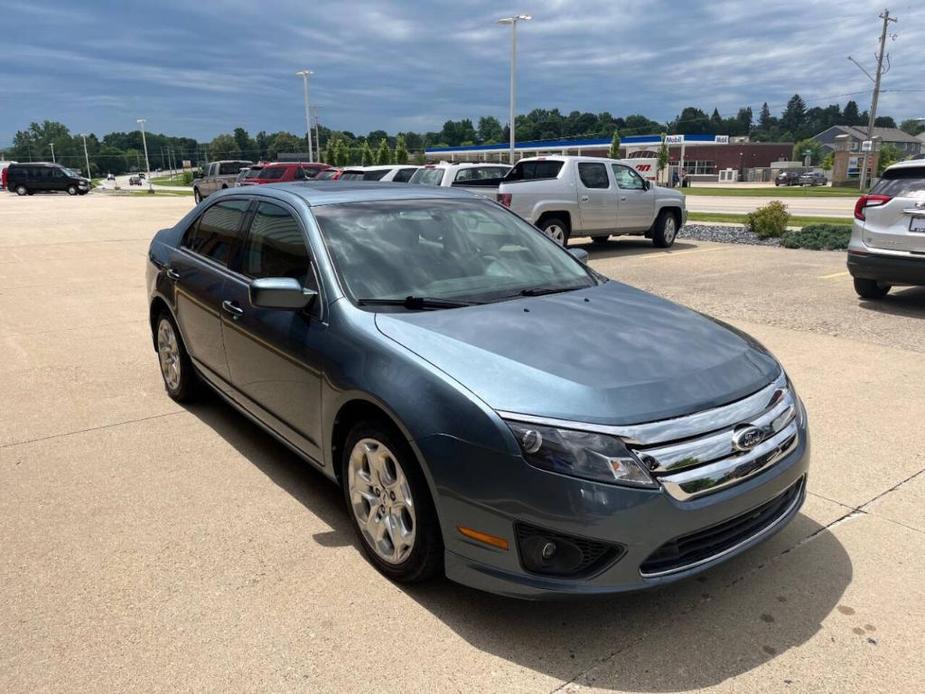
(908,164)
(316,193)
(459,164)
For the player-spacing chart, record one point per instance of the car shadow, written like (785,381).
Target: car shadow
(908,302)
(695,633)
(626,247)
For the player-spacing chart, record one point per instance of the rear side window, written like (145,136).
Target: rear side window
(375,175)
(352,176)
(404,175)
(901,182)
(593,175)
(275,247)
(218,229)
(272,173)
(534,170)
(427,177)
(231,167)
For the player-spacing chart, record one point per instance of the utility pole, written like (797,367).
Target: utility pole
(144,143)
(304,74)
(513,86)
(86,156)
(885,16)
(317,136)
(53,160)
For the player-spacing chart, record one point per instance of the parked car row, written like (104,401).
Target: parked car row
(800,177)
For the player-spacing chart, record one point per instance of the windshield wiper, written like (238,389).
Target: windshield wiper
(417,302)
(551,289)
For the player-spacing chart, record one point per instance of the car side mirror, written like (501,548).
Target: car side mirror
(646,184)
(281,293)
(580,254)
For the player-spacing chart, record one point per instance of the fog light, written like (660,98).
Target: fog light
(548,550)
(553,554)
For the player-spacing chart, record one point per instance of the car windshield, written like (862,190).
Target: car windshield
(272,172)
(427,177)
(456,250)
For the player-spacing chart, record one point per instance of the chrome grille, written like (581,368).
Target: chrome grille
(709,460)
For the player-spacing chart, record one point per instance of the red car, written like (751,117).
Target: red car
(286,171)
(331,174)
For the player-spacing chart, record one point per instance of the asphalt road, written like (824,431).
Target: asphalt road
(150,547)
(808,206)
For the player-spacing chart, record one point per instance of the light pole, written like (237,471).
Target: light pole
(53,160)
(304,74)
(144,143)
(513,22)
(86,156)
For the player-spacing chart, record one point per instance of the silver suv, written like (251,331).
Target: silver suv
(888,239)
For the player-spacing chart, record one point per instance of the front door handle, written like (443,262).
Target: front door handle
(172,274)
(623,198)
(233,308)
(585,198)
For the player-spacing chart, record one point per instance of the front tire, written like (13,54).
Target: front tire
(389,504)
(197,196)
(72,190)
(177,372)
(666,229)
(870,289)
(22,190)
(555,229)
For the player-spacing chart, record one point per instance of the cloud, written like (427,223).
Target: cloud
(199,68)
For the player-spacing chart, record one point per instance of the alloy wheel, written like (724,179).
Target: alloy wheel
(557,233)
(380,496)
(168,352)
(670,230)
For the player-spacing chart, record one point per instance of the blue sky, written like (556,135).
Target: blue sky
(199,68)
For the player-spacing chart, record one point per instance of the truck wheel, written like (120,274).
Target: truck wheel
(555,229)
(197,196)
(666,229)
(870,289)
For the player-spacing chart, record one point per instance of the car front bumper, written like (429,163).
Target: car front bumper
(887,268)
(492,492)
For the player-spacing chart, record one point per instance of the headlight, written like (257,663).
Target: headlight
(584,454)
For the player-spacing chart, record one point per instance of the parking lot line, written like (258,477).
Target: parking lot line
(834,275)
(671,254)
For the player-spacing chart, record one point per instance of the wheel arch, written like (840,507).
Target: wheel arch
(158,305)
(563,215)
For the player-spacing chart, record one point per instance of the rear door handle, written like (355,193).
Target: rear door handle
(585,198)
(172,274)
(233,308)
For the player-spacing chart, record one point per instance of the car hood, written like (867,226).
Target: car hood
(609,354)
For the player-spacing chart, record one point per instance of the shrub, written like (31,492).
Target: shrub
(769,221)
(187,178)
(818,237)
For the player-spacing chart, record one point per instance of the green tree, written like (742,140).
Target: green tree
(383,154)
(283,142)
(401,151)
(615,146)
(794,115)
(692,120)
(889,154)
(662,160)
(246,146)
(224,147)
(366,154)
(815,149)
(490,130)
(827,161)
(765,119)
(850,115)
(913,126)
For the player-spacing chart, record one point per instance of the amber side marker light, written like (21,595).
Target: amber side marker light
(485,538)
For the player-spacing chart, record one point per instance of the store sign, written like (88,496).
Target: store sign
(721,139)
(854,166)
(866,146)
(674,139)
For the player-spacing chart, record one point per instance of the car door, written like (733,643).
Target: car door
(596,202)
(273,354)
(199,270)
(635,199)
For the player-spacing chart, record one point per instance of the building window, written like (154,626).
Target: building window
(700,166)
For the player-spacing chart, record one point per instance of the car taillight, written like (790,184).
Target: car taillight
(866,201)
(504,199)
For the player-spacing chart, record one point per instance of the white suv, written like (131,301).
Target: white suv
(888,239)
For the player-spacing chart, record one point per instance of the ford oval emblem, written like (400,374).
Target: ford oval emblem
(747,438)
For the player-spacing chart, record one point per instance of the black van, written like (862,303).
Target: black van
(36,177)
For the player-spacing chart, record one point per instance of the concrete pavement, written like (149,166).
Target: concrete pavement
(149,547)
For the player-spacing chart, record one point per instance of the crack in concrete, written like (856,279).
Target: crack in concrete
(84,431)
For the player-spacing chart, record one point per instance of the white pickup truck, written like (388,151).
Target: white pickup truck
(590,196)
(482,179)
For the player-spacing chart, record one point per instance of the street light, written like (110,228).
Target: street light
(513,22)
(86,156)
(144,142)
(304,74)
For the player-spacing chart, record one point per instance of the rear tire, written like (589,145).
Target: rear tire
(666,229)
(870,289)
(389,504)
(555,229)
(180,378)
(22,190)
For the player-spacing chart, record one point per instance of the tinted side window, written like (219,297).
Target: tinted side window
(404,175)
(275,247)
(593,175)
(534,170)
(374,175)
(901,182)
(626,178)
(230,167)
(218,229)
